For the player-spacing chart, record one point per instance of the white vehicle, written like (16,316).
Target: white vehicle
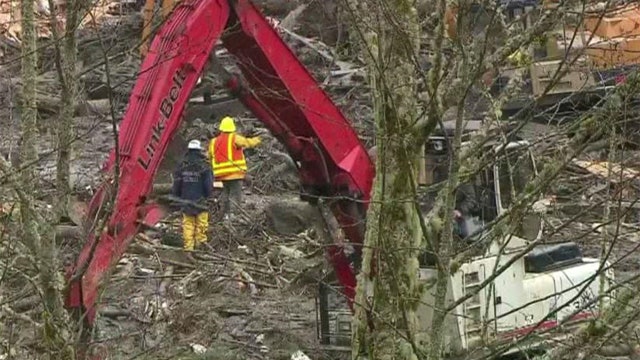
(531,296)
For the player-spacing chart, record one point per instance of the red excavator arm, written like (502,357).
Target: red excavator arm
(276,87)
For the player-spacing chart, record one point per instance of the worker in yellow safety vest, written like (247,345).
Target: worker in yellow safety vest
(519,58)
(229,163)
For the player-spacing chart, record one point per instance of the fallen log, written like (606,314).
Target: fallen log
(77,210)
(316,46)
(166,278)
(177,263)
(237,278)
(161,294)
(211,113)
(93,107)
(603,168)
(276,7)
(53,105)
(140,249)
(161,189)
(26,304)
(68,232)
(165,189)
(170,256)
(114,313)
(618,350)
(291,20)
(48,101)
(6,310)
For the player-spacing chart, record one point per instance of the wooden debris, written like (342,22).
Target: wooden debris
(290,252)
(178,263)
(318,47)
(10,18)
(77,210)
(68,232)
(148,240)
(161,302)
(245,278)
(233,312)
(7,311)
(198,349)
(114,313)
(291,20)
(603,168)
(164,188)
(299,355)
(51,104)
(26,304)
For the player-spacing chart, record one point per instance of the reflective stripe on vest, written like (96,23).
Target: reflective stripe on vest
(227,159)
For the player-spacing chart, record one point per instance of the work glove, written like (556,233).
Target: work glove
(253,132)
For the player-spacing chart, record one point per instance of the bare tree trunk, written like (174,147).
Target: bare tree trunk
(385,307)
(39,235)
(66,66)
(28,121)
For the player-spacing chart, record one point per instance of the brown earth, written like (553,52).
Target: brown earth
(206,305)
(162,305)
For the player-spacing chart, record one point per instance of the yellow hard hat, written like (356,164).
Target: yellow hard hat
(518,58)
(227,124)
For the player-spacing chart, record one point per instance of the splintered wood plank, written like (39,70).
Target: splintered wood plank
(601,168)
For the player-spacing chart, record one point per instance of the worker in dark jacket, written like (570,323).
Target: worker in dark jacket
(465,206)
(193,184)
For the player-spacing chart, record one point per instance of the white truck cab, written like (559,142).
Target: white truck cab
(514,286)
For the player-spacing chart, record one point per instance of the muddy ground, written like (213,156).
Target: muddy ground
(250,293)
(206,305)
(203,303)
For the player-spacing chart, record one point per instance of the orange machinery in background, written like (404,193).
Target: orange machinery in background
(147,15)
(616,37)
(168,5)
(605,42)
(609,39)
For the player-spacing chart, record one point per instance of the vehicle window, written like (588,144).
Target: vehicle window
(487,196)
(437,168)
(515,170)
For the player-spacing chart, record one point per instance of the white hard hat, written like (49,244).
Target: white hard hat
(194,144)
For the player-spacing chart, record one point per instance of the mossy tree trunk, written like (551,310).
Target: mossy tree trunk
(387,299)
(29,128)
(38,232)
(67,75)
(387,34)
(30,226)
(53,282)
(388,289)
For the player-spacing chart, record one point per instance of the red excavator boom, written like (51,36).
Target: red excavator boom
(276,87)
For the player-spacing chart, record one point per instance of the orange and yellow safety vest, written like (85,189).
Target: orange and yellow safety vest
(227,159)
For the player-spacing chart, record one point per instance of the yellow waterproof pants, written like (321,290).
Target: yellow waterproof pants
(194,229)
